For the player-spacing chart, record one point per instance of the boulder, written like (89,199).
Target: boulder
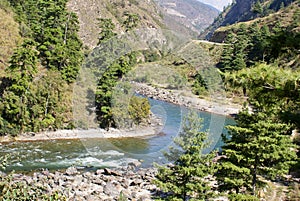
(108,171)
(71,171)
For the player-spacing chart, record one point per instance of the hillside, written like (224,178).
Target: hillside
(192,14)
(271,38)
(185,17)
(219,4)
(9,35)
(284,16)
(89,11)
(242,11)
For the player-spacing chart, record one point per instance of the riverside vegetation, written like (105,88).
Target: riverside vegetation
(259,61)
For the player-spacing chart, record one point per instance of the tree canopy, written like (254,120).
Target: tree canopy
(187,177)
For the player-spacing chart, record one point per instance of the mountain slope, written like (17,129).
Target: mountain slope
(192,14)
(9,35)
(187,17)
(89,11)
(242,11)
(219,4)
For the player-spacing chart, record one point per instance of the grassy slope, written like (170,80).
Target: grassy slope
(9,36)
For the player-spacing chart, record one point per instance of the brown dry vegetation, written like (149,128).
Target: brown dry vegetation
(89,11)
(9,37)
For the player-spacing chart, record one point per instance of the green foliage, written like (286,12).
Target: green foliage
(139,109)
(242,197)
(257,145)
(35,99)
(107,27)
(131,21)
(248,44)
(32,105)
(22,70)
(199,86)
(271,89)
(55,31)
(122,197)
(186,179)
(234,55)
(260,144)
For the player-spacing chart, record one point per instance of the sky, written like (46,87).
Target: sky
(219,4)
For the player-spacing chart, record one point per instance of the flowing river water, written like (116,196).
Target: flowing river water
(98,153)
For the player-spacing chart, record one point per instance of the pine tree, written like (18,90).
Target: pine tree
(107,30)
(54,29)
(257,146)
(22,69)
(186,179)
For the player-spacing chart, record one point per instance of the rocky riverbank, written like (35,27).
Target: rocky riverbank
(149,128)
(103,184)
(220,105)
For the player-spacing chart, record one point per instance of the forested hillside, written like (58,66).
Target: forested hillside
(260,61)
(242,11)
(36,78)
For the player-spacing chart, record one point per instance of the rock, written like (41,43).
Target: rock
(71,171)
(99,172)
(136,182)
(97,189)
(98,181)
(135,164)
(111,190)
(106,184)
(87,175)
(112,172)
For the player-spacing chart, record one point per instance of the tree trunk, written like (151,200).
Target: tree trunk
(254,179)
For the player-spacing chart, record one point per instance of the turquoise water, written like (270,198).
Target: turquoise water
(98,153)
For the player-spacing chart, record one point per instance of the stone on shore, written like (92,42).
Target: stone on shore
(103,184)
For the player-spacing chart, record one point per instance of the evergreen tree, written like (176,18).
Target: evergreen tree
(55,31)
(22,69)
(186,179)
(267,88)
(107,27)
(138,108)
(235,53)
(257,146)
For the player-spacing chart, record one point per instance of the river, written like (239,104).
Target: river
(99,153)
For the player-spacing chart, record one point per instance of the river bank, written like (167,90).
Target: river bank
(149,128)
(216,104)
(103,184)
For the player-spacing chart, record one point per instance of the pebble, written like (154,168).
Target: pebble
(102,184)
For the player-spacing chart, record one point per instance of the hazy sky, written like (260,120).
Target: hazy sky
(219,4)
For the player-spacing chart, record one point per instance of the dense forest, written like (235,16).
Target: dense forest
(36,88)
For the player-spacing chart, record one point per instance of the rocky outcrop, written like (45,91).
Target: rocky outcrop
(190,100)
(103,184)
